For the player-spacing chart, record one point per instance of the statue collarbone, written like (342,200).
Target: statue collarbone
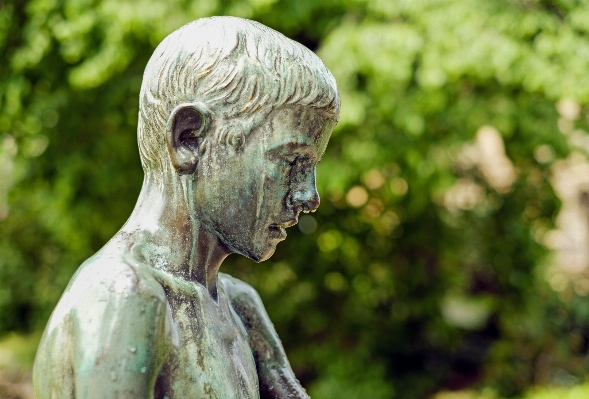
(229,142)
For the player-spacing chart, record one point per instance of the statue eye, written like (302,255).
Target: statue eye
(290,156)
(282,158)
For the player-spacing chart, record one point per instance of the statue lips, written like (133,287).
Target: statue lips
(278,230)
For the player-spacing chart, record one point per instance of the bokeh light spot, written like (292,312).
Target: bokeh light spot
(399,186)
(357,196)
(335,282)
(307,224)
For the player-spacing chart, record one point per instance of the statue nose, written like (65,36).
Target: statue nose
(306,198)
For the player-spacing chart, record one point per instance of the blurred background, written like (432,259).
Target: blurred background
(449,257)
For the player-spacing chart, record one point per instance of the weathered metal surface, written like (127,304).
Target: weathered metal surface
(234,118)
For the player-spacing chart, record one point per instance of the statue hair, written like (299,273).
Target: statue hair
(240,69)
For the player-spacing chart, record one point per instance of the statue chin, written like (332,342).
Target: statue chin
(254,253)
(263,257)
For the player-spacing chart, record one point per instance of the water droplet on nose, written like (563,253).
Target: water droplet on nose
(113,376)
(132,349)
(143,370)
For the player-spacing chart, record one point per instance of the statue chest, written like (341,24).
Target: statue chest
(213,359)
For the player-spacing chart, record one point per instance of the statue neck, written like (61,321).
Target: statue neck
(164,230)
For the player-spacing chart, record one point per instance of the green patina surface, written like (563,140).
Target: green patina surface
(234,117)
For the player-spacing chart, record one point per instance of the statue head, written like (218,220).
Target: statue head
(234,116)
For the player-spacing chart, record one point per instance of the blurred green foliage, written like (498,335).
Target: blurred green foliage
(388,290)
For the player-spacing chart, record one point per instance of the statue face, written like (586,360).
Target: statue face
(249,196)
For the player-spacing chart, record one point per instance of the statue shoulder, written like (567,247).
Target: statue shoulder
(115,276)
(237,289)
(107,286)
(113,312)
(246,302)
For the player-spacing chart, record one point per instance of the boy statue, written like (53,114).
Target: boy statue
(233,119)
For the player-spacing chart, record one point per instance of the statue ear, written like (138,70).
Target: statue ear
(184,135)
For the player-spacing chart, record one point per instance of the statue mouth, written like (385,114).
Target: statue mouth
(278,230)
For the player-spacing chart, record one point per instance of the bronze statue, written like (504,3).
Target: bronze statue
(233,119)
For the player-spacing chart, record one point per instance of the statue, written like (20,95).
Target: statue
(233,119)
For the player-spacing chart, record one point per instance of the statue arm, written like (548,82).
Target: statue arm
(277,380)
